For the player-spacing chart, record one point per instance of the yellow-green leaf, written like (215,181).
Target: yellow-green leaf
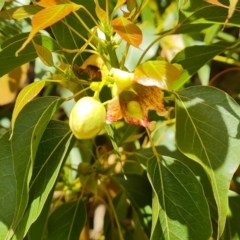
(27,94)
(129,31)
(50,3)
(48,17)
(44,54)
(101,14)
(157,73)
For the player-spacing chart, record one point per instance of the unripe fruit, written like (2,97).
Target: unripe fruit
(87,118)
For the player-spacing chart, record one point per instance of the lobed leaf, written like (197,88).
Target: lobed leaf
(129,31)
(207,131)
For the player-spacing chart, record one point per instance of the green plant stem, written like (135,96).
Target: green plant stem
(76,94)
(114,213)
(124,56)
(112,53)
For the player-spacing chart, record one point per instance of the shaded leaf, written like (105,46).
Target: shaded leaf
(19,12)
(180,210)
(129,31)
(232,230)
(207,131)
(53,150)
(29,128)
(10,46)
(110,129)
(44,54)
(7,186)
(48,17)
(139,192)
(131,5)
(26,95)
(67,221)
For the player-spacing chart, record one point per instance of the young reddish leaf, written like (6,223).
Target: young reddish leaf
(101,14)
(44,54)
(130,32)
(48,17)
(157,73)
(27,94)
(50,3)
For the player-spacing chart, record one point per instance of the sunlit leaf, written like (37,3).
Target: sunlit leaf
(110,129)
(44,54)
(29,127)
(216,2)
(50,3)
(53,150)
(129,31)
(1,4)
(157,73)
(67,221)
(117,6)
(101,14)
(48,17)
(231,10)
(178,202)
(26,95)
(207,131)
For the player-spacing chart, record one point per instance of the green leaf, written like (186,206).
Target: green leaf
(180,209)
(232,230)
(198,12)
(7,186)
(110,129)
(26,95)
(67,221)
(19,12)
(207,131)
(68,30)
(53,150)
(44,54)
(29,128)
(10,46)
(139,192)
(194,57)
(1,4)
(37,230)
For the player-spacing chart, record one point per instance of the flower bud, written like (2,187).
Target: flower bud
(87,118)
